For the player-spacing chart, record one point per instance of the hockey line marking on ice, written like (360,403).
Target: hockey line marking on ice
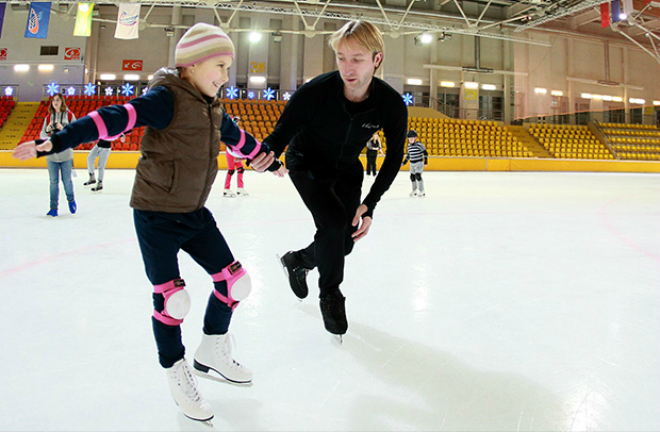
(52,258)
(617,233)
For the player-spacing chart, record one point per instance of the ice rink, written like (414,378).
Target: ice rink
(500,302)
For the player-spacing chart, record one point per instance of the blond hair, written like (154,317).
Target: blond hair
(363,33)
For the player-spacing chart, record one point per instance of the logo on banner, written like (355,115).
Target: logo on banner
(33,22)
(72,54)
(132,65)
(3,54)
(258,67)
(128,20)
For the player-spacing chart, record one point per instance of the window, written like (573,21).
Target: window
(49,50)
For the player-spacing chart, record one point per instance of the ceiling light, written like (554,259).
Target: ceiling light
(425,38)
(586,95)
(488,87)
(255,37)
(131,77)
(414,81)
(540,91)
(447,84)
(471,85)
(557,93)
(46,67)
(21,68)
(108,77)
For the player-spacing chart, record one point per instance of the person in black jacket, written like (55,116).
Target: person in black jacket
(326,125)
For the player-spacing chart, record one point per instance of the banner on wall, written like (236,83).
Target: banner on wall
(132,65)
(71,53)
(2,16)
(84,20)
(128,20)
(38,19)
(3,54)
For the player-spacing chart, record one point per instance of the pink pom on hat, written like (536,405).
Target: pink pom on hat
(202,42)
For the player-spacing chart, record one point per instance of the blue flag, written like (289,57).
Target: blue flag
(38,19)
(2,15)
(616,11)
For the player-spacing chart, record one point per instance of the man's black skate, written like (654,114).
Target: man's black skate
(297,274)
(333,309)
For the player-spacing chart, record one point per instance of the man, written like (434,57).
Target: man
(326,125)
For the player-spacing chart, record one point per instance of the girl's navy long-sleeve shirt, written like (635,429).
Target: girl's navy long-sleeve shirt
(154,109)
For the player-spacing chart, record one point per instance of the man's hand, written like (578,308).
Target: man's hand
(262,161)
(29,149)
(363,229)
(281,171)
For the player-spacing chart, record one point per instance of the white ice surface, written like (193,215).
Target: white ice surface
(500,302)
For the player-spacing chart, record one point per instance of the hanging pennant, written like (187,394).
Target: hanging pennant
(128,20)
(84,20)
(38,19)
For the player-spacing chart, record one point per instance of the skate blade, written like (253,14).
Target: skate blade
(207,422)
(200,421)
(339,339)
(215,376)
(286,275)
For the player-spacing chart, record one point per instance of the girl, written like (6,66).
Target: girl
(184,124)
(59,163)
(101,151)
(374,146)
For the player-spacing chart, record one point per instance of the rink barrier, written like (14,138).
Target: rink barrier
(128,160)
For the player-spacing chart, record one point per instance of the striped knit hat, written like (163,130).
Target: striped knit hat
(202,42)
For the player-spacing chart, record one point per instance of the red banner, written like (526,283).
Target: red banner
(604,15)
(3,54)
(71,53)
(132,65)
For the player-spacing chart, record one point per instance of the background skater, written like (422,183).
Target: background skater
(418,157)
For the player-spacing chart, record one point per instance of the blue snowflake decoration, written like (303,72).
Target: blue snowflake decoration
(269,94)
(108,91)
(286,96)
(250,94)
(70,91)
(128,89)
(232,93)
(408,98)
(9,91)
(90,89)
(145,90)
(52,89)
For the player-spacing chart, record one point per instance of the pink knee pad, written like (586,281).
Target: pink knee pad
(177,302)
(238,284)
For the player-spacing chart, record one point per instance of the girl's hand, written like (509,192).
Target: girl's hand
(29,149)
(262,161)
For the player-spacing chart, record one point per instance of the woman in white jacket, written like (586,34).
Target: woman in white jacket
(58,117)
